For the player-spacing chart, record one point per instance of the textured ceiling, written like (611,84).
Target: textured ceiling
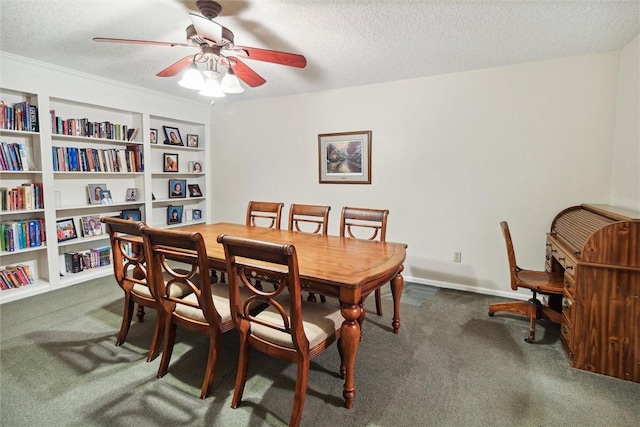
(346,42)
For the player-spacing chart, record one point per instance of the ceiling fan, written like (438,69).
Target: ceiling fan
(217,48)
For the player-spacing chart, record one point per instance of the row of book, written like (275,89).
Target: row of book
(75,262)
(85,127)
(21,116)
(13,157)
(74,159)
(23,197)
(22,234)
(16,276)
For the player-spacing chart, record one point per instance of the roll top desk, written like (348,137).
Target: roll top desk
(598,249)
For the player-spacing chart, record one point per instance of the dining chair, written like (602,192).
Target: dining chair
(179,259)
(369,224)
(310,219)
(130,271)
(289,328)
(264,214)
(543,282)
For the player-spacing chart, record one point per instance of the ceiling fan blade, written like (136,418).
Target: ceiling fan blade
(147,42)
(177,67)
(273,56)
(206,28)
(244,73)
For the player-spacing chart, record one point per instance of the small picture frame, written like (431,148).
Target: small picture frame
(66,230)
(192,140)
(131,195)
(194,190)
(174,214)
(177,188)
(91,226)
(132,215)
(95,193)
(197,215)
(172,136)
(196,167)
(153,136)
(106,198)
(169,162)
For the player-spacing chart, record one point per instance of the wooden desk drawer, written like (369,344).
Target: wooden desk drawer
(570,284)
(567,306)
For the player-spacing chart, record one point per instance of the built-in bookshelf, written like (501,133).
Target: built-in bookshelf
(64,164)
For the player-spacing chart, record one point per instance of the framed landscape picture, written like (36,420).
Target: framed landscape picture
(172,136)
(344,158)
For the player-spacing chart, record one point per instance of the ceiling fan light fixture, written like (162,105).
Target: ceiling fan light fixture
(212,89)
(231,84)
(192,78)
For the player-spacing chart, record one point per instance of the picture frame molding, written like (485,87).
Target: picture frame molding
(335,141)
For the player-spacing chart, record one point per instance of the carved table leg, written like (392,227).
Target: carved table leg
(397,284)
(350,338)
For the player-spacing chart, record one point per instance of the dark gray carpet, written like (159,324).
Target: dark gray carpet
(451,365)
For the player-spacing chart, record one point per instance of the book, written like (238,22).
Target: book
(131,134)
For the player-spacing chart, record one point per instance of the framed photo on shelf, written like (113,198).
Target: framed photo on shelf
(131,195)
(132,215)
(197,214)
(194,190)
(91,226)
(192,140)
(177,188)
(66,230)
(106,198)
(172,136)
(174,214)
(195,167)
(344,158)
(95,193)
(169,162)
(153,136)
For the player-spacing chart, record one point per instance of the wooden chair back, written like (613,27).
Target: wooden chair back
(178,262)
(309,218)
(364,223)
(513,267)
(129,265)
(264,214)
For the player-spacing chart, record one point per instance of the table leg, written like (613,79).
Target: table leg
(397,284)
(350,339)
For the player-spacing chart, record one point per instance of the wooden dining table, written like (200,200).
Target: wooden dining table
(344,268)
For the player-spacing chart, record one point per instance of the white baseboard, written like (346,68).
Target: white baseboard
(474,289)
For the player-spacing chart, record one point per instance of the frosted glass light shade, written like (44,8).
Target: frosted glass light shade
(231,84)
(192,78)
(212,89)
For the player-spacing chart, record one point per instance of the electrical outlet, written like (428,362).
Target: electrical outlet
(457,256)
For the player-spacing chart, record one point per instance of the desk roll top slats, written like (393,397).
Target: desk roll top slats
(598,248)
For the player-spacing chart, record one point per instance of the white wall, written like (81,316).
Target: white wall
(625,179)
(452,156)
